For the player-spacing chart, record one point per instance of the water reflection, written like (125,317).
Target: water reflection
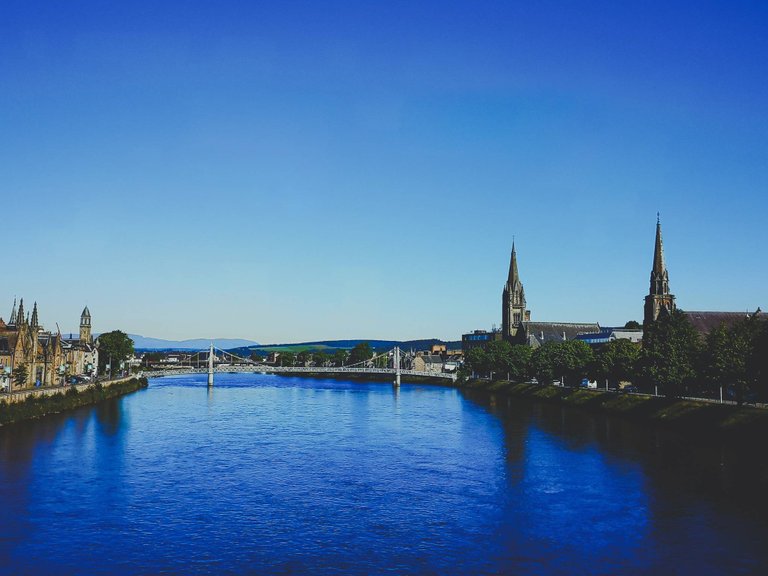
(291,475)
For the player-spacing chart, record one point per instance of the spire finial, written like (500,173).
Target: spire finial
(658,218)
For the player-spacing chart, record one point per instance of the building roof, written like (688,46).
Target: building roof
(540,332)
(705,322)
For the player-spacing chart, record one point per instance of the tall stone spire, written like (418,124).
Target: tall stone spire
(659,299)
(513,312)
(35,322)
(12,319)
(20,313)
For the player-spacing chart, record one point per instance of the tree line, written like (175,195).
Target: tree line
(674,360)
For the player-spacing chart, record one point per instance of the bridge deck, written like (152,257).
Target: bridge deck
(261,369)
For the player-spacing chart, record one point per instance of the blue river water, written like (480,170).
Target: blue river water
(274,475)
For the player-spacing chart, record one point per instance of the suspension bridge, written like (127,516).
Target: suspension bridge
(214,360)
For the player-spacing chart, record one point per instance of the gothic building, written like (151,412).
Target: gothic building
(516,325)
(24,343)
(659,300)
(513,312)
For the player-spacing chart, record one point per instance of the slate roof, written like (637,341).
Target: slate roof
(705,322)
(538,333)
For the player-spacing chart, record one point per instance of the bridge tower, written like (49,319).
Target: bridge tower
(397,366)
(210,366)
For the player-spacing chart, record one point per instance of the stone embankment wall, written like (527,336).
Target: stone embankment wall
(37,402)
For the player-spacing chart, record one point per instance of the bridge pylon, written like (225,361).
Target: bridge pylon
(210,366)
(396,360)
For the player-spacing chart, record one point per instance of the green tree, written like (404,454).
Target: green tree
(339,357)
(633,325)
(543,362)
(573,360)
(726,357)
(476,360)
(256,357)
(671,347)
(20,374)
(518,365)
(320,358)
(303,357)
(616,361)
(360,353)
(757,362)
(286,359)
(114,347)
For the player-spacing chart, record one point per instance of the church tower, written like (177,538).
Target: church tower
(513,312)
(35,322)
(12,320)
(85,326)
(659,300)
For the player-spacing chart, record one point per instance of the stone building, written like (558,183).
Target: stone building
(25,345)
(660,301)
(516,324)
(82,355)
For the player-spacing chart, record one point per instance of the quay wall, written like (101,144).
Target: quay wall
(38,402)
(691,417)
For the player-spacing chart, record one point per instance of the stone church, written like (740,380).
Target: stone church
(516,324)
(660,300)
(45,356)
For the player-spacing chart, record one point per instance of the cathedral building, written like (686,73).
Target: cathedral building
(25,346)
(516,324)
(660,301)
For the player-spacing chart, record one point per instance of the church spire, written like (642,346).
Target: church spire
(35,323)
(658,254)
(513,312)
(513,276)
(20,313)
(659,298)
(12,319)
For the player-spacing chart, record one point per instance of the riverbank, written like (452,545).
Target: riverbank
(39,402)
(688,416)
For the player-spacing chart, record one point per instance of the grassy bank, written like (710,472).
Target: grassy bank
(38,406)
(685,415)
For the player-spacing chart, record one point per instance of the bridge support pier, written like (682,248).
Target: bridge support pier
(210,366)
(396,360)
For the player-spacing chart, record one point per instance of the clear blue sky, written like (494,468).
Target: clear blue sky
(287,171)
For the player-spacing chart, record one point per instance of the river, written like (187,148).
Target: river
(266,474)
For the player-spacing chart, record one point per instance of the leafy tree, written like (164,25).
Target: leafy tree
(286,359)
(498,357)
(726,356)
(114,347)
(360,353)
(303,357)
(256,357)
(518,362)
(633,325)
(476,360)
(616,360)
(671,347)
(573,360)
(20,374)
(320,358)
(543,362)
(339,357)
(757,361)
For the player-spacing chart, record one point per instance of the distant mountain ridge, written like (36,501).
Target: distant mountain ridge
(331,345)
(147,343)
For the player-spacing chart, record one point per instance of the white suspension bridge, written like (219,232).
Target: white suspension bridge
(391,362)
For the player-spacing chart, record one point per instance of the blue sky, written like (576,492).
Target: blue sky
(288,171)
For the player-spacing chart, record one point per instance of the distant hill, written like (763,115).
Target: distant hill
(146,343)
(329,346)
